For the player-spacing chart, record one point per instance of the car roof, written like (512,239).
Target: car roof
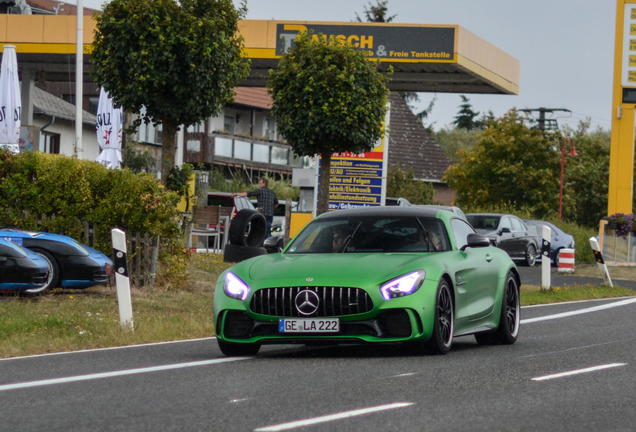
(550,224)
(387,211)
(224,194)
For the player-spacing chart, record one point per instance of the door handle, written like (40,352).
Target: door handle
(488,258)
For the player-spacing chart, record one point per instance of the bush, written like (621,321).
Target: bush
(72,190)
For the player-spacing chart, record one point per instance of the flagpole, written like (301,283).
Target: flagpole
(79,78)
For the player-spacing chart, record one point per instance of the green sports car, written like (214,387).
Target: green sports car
(375,274)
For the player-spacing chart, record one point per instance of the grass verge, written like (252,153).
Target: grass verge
(533,294)
(69,320)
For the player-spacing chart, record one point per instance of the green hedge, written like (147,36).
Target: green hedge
(72,190)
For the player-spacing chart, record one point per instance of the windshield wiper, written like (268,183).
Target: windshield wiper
(347,240)
(428,240)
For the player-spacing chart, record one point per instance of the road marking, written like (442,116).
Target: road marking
(404,374)
(575,301)
(117,373)
(579,311)
(108,349)
(331,417)
(578,371)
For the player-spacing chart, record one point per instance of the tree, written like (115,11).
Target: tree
(510,165)
(178,59)
(465,118)
(376,13)
(587,176)
(403,185)
(453,140)
(327,97)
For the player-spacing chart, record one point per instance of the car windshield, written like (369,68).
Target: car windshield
(369,234)
(484,222)
(223,201)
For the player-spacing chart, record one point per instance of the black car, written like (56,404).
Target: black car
(509,233)
(21,269)
(72,265)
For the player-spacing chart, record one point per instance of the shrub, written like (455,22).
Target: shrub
(72,190)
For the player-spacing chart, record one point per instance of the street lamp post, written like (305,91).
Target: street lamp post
(572,153)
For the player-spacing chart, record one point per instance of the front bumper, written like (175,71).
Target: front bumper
(83,271)
(389,325)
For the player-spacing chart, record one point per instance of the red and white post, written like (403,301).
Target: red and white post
(566,261)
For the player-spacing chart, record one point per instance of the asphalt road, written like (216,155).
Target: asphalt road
(191,386)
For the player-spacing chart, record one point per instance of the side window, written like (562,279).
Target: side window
(517,225)
(505,223)
(460,231)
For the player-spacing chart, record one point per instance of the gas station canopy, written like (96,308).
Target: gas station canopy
(425,58)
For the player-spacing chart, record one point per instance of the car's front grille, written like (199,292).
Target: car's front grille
(332,301)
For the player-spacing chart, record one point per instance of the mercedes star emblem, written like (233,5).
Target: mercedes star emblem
(307,302)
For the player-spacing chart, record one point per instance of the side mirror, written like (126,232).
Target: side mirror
(504,230)
(476,241)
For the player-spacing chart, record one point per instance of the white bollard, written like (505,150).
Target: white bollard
(545,258)
(121,279)
(566,261)
(598,256)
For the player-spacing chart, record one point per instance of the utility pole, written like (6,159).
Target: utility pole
(544,123)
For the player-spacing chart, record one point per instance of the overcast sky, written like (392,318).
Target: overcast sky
(565,47)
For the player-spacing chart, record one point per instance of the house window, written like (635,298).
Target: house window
(267,127)
(93,103)
(50,143)
(228,124)
(196,128)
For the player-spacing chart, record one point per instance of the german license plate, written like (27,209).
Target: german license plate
(309,325)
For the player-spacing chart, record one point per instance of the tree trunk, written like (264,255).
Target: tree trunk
(168,137)
(323,189)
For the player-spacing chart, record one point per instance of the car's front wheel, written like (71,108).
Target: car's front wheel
(234,350)
(557,257)
(531,256)
(444,320)
(51,280)
(508,329)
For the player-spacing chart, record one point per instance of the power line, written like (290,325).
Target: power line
(544,123)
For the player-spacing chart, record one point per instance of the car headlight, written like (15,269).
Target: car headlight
(234,287)
(403,285)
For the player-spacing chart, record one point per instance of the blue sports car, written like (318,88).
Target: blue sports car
(21,269)
(73,265)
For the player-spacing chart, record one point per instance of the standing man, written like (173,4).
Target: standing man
(266,202)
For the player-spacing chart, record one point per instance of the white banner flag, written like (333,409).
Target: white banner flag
(10,101)
(109,131)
